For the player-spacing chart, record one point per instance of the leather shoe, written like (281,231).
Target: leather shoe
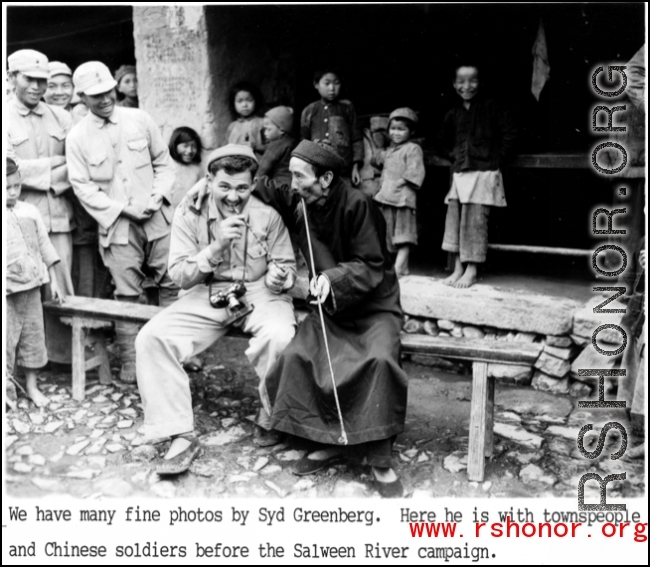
(393,489)
(306,465)
(181,462)
(264,438)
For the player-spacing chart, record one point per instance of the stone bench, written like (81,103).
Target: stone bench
(88,313)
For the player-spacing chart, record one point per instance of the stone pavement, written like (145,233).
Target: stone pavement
(91,449)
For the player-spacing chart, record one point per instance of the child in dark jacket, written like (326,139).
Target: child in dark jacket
(278,125)
(477,136)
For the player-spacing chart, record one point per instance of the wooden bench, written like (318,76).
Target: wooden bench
(87,313)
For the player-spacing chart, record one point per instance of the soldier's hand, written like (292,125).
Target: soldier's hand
(277,278)
(154,204)
(232,228)
(136,214)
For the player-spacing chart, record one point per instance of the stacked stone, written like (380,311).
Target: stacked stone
(552,372)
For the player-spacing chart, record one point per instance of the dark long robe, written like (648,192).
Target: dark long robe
(363,318)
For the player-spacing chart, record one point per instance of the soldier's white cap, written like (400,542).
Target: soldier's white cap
(31,63)
(93,78)
(58,68)
(232,150)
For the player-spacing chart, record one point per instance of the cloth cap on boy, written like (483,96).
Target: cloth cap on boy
(404,113)
(282,117)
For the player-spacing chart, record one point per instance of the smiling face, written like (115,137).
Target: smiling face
(102,104)
(187,151)
(128,85)
(59,90)
(398,131)
(29,90)
(305,183)
(271,130)
(231,191)
(466,83)
(244,104)
(329,87)
(13,189)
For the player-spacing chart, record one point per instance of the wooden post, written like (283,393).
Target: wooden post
(478,422)
(489,421)
(105,376)
(78,360)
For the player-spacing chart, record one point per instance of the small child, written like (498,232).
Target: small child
(245,101)
(278,125)
(334,120)
(185,149)
(127,86)
(476,136)
(28,248)
(401,177)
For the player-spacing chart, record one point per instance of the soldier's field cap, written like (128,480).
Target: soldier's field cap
(404,113)
(58,68)
(30,62)
(93,78)
(231,150)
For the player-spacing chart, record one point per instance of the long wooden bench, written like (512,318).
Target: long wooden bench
(86,313)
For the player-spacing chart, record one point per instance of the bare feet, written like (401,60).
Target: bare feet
(469,277)
(127,373)
(178,445)
(456,274)
(40,400)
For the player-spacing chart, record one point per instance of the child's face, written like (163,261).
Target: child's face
(271,130)
(187,151)
(398,131)
(328,87)
(129,85)
(244,104)
(13,189)
(466,83)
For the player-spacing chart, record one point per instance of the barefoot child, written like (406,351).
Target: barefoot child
(245,101)
(476,136)
(401,177)
(278,125)
(28,248)
(334,120)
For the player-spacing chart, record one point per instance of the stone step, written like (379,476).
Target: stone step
(510,309)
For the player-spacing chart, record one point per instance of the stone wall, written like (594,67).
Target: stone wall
(174,81)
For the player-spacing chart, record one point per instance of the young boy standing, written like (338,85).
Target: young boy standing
(402,175)
(28,248)
(477,137)
(334,120)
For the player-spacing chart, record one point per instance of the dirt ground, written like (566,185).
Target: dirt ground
(92,448)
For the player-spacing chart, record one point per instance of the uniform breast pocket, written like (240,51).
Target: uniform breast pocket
(139,150)
(99,166)
(17,139)
(57,142)
(256,258)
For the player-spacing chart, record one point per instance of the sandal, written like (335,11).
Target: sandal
(307,466)
(181,462)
